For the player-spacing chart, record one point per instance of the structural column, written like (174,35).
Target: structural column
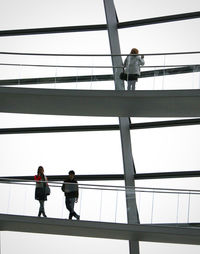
(129,169)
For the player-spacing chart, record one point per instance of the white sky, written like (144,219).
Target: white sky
(156,150)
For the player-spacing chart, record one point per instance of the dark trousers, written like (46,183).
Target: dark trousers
(70,207)
(41,209)
(131,85)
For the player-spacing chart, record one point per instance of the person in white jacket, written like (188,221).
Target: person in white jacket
(132,65)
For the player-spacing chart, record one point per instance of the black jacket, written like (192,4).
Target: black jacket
(71,189)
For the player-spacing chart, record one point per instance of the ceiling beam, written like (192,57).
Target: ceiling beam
(159,20)
(110,177)
(108,127)
(100,27)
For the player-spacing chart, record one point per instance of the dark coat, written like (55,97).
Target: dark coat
(71,189)
(40,190)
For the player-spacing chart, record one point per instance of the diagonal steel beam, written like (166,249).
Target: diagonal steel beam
(128,163)
(94,78)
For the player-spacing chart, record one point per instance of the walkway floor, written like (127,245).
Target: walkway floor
(166,103)
(166,233)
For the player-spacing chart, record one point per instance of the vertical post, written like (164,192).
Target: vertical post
(129,169)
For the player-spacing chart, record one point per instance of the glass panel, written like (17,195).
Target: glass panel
(155,119)
(10,120)
(86,153)
(146,248)
(172,183)
(55,44)
(166,149)
(54,243)
(68,43)
(164,38)
(21,14)
(133,10)
(19,67)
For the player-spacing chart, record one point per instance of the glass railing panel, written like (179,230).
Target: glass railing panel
(94,204)
(145,206)
(19,199)
(182,207)
(120,212)
(193,215)
(165,71)
(162,202)
(104,203)
(109,203)
(5,197)
(55,204)
(89,205)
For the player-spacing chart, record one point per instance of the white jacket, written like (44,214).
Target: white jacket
(132,64)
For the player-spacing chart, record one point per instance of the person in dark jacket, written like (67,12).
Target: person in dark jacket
(41,190)
(70,188)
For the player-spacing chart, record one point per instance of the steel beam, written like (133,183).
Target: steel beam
(111,177)
(55,80)
(111,127)
(100,27)
(129,169)
(52,30)
(159,20)
(95,78)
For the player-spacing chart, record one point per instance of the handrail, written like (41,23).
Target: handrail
(60,54)
(103,187)
(97,66)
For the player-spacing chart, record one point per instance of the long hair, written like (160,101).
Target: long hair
(39,169)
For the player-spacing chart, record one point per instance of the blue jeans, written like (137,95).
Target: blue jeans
(131,84)
(70,207)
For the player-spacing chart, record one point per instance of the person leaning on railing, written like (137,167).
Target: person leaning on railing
(132,65)
(70,189)
(41,190)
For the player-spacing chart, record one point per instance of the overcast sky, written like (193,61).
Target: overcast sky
(156,150)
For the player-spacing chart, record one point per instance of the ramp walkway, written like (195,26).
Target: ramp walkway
(153,233)
(166,215)
(159,103)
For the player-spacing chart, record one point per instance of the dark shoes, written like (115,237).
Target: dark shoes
(75,215)
(43,213)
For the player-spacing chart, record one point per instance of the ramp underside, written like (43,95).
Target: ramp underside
(167,103)
(152,233)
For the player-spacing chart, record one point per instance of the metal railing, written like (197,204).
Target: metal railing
(106,203)
(87,71)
